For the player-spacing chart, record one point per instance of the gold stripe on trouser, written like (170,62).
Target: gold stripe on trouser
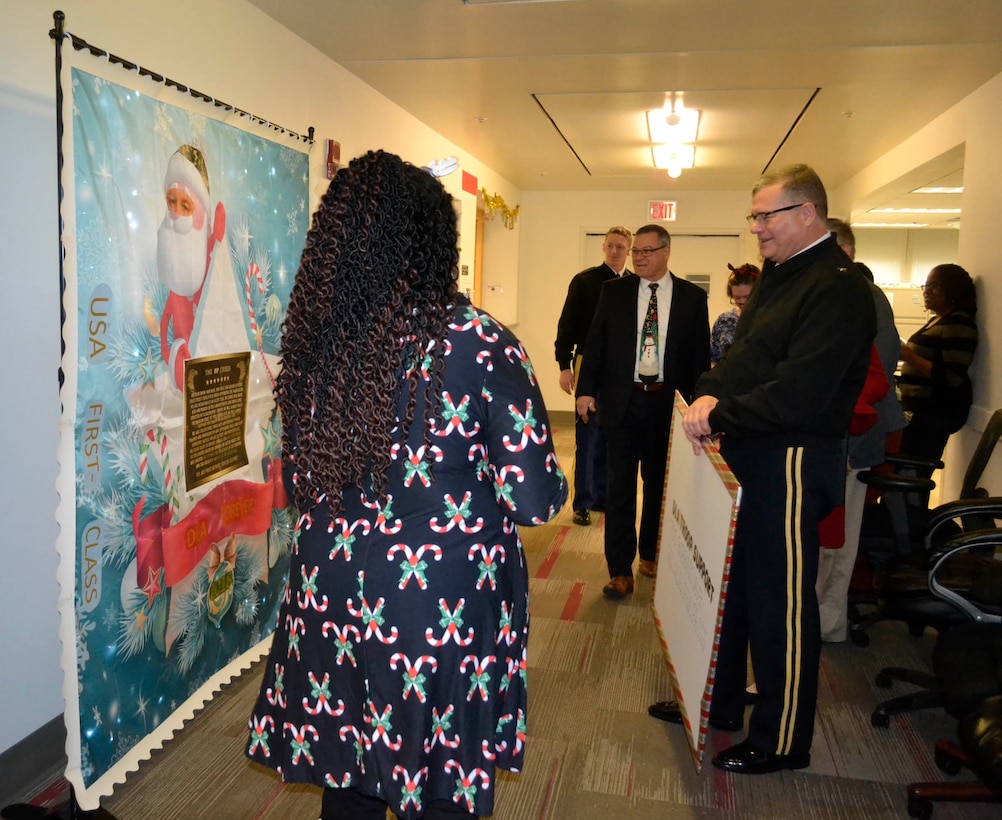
(794,595)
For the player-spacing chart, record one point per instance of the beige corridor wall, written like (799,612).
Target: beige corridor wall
(553,225)
(976,123)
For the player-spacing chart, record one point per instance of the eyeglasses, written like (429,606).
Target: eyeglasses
(930,286)
(765,217)
(739,300)
(645,252)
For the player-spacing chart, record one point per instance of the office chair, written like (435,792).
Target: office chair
(964,584)
(968,663)
(898,536)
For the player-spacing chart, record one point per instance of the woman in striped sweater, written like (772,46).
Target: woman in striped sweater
(935,385)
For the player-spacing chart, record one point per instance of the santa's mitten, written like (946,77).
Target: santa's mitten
(218,232)
(179,354)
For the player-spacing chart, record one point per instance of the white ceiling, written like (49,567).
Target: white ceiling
(552,93)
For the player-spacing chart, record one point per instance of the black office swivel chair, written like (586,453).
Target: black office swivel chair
(964,585)
(968,664)
(899,538)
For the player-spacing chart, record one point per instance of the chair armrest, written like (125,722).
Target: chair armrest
(905,460)
(964,509)
(892,482)
(986,574)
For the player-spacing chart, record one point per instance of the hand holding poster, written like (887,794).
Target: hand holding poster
(697,532)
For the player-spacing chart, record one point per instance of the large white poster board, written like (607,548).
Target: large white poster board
(698,516)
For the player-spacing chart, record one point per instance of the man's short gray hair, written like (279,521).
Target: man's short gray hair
(843,233)
(664,238)
(801,182)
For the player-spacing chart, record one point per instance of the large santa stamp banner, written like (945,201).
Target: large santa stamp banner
(699,515)
(182,235)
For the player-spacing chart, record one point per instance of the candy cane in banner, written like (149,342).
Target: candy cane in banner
(156,440)
(254,272)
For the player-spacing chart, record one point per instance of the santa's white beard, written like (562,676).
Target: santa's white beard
(181,254)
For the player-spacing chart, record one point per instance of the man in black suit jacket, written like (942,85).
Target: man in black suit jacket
(635,412)
(781,401)
(572,331)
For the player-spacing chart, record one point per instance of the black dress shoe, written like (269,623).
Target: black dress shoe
(582,517)
(746,758)
(669,711)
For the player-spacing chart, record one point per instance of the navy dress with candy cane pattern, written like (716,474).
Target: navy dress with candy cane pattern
(399,659)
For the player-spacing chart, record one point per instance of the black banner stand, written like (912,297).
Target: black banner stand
(68,810)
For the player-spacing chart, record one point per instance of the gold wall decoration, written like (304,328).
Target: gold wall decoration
(495,204)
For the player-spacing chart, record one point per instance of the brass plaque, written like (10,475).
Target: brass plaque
(215,416)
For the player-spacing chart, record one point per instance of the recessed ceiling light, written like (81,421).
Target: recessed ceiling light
(673,156)
(934,190)
(675,127)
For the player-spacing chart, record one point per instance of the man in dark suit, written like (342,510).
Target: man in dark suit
(572,330)
(650,337)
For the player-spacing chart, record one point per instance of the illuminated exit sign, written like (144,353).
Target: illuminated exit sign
(661,211)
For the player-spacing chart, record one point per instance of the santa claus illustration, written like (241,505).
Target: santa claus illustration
(185,243)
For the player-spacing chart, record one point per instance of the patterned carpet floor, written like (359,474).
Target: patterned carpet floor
(592,751)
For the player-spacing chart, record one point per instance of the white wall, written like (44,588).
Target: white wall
(225,48)
(30,678)
(900,255)
(976,123)
(553,226)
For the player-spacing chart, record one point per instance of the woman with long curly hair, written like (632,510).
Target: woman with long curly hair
(415,443)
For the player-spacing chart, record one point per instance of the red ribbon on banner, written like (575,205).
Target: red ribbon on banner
(239,506)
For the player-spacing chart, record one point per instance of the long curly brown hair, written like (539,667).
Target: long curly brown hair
(372,299)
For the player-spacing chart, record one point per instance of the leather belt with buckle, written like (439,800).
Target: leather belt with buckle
(649,388)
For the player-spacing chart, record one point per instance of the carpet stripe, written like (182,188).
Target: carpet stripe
(269,802)
(573,604)
(551,785)
(552,553)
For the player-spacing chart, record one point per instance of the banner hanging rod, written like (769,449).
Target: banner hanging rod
(79,44)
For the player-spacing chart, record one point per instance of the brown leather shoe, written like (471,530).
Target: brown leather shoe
(649,569)
(618,587)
